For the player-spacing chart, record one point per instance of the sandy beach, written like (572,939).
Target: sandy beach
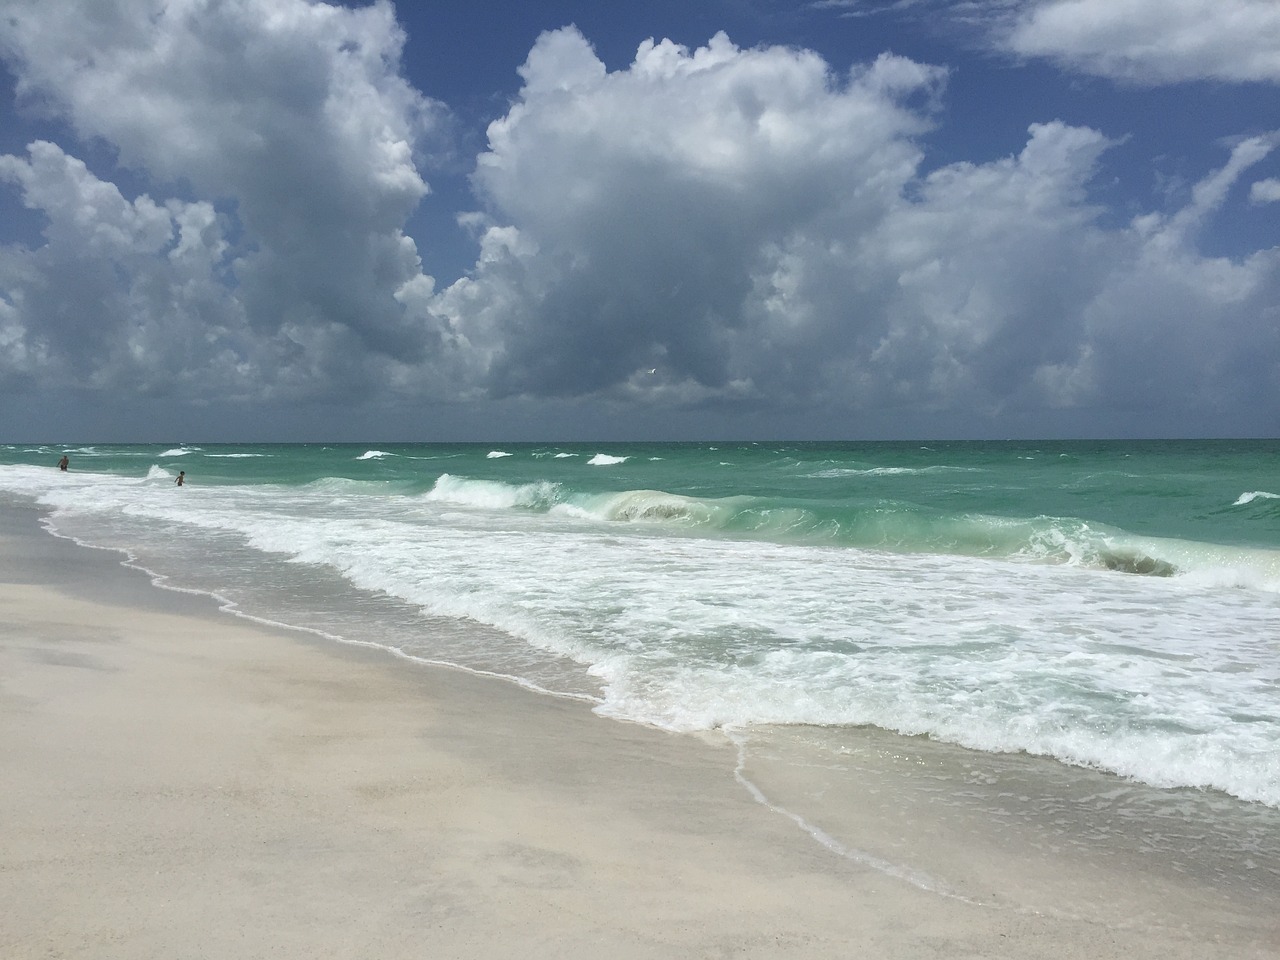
(181,783)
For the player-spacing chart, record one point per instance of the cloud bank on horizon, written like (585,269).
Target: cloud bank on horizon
(712,228)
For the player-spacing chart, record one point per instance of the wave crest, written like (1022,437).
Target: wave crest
(885,525)
(654,506)
(493,494)
(1246,498)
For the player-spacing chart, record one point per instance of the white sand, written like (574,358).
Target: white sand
(177,783)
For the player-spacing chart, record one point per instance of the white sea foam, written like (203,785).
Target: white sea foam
(562,456)
(491,494)
(374,455)
(837,472)
(178,452)
(1168,680)
(496,454)
(233,456)
(342,486)
(605,460)
(1255,495)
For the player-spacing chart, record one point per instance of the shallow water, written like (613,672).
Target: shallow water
(1022,833)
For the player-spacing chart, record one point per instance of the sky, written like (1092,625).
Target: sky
(279,220)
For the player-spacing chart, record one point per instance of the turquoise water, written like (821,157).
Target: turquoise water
(950,495)
(1114,605)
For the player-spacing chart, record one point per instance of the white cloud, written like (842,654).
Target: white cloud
(1150,41)
(1265,191)
(645,201)
(754,228)
(290,116)
(758,231)
(863,8)
(121,294)
(1172,329)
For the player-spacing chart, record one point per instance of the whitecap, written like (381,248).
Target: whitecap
(605,460)
(373,455)
(496,454)
(1255,495)
(837,472)
(492,494)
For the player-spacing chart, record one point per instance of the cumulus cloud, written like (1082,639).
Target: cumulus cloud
(637,213)
(714,228)
(754,229)
(1170,329)
(292,124)
(1149,41)
(122,292)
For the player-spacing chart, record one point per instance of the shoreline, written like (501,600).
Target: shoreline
(182,782)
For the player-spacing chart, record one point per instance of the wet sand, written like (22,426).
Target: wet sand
(178,782)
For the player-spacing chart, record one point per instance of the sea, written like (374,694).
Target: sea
(1087,627)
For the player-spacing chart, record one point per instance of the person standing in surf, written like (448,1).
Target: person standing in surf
(182,476)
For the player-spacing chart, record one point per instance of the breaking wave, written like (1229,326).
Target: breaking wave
(884,525)
(1246,498)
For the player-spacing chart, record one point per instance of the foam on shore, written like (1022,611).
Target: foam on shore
(174,777)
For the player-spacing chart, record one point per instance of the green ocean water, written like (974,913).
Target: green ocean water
(1113,605)
(977,497)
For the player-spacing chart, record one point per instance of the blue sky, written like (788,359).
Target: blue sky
(275,219)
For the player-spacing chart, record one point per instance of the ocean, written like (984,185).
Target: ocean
(1080,616)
